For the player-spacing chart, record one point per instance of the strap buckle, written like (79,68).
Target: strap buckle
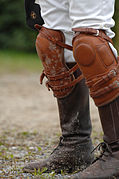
(97,33)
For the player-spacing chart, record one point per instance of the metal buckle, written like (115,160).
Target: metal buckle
(113,72)
(117,83)
(97,34)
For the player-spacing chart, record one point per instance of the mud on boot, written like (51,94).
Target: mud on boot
(106,166)
(75,146)
(67,157)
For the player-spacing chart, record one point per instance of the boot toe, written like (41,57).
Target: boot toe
(31,167)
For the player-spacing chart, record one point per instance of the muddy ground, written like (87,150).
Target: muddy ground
(29,125)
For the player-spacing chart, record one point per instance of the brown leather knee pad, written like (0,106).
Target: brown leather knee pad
(50,49)
(99,66)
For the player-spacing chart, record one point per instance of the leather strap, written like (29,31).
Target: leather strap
(62,87)
(64,74)
(47,35)
(60,76)
(105,90)
(101,80)
(91,31)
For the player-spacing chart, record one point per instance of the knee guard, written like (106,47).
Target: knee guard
(50,49)
(98,64)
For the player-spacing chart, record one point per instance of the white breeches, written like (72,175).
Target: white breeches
(67,14)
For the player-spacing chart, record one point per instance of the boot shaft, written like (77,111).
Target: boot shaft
(74,111)
(109,115)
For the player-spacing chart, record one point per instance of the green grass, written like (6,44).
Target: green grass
(18,62)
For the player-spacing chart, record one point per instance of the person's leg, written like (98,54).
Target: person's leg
(74,149)
(99,66)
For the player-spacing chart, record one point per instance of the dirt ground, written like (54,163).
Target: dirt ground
(26,107)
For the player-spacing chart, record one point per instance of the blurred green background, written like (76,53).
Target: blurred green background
(17,41)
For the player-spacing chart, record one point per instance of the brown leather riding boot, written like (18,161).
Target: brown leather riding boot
(75,146)
(106,166)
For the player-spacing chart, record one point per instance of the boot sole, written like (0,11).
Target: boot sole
(28,170)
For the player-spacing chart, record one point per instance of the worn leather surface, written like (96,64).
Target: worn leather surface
(60,79)
(99,66)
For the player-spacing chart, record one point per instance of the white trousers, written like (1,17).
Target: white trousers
(67,14)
